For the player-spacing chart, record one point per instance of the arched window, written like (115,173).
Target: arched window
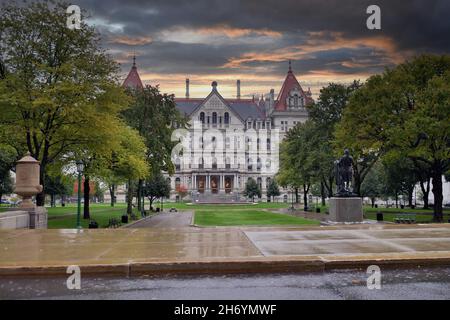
(259,164)
(214,118)
(200,163)
(268,144)
(226,118)
(214,163)
(177,183)
(177,164)
(202,117)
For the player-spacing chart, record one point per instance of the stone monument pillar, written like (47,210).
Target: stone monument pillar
(345,206)
(27,186)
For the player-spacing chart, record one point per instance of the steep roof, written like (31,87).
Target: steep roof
(244,108)
(133,80)
(289,83)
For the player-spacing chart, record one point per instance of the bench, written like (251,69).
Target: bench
(405,218)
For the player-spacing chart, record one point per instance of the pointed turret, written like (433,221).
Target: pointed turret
(290,84)
(133,79)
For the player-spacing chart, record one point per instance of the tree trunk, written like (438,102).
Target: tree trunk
(52,200)
(425,192)
(396,200)
(373,202)
(438,196)
(40,197)
(296,195)
(305,196)
(87,191)
(357,184)
(130,197)
(112,193)
(139,195)
(322,192)
(410,197)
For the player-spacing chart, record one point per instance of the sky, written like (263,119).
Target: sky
(226,40)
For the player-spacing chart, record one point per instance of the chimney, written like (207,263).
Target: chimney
(238,84)
(272,95)
(187,88)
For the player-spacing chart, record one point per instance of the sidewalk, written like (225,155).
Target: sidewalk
(221,250)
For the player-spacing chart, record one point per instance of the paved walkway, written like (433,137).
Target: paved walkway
(249,249)
(166,220)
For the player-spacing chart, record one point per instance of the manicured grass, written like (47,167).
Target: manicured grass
(66,218)
(187,206)
(247,217)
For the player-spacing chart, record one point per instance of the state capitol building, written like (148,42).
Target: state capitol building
(231,140)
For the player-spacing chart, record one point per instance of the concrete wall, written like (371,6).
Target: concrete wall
(14,220)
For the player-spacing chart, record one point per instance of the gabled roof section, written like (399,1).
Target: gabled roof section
(133,80)
(289,83)
(242,108)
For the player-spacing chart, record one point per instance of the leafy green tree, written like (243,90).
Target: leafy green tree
(405,110)
(7,159)
(299,165)
(58,186)
(325,114)
(6,186)
(156,187)
(252,189)
(155,116)
(59,90)
(273,190)
(373,186)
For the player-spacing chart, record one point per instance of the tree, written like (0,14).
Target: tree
(59,89)
(7,159)
(58,185)
(325,114)
(300,149)
(373,186)
(156,187)
(252,189)
(273,190)
(404,110)
(6,186)
(127,150)
(155,116)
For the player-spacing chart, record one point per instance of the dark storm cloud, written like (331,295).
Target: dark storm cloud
(413,26)
(257,37)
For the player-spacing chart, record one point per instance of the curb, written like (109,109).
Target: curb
(217,266)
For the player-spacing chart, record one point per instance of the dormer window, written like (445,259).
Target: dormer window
(295,99)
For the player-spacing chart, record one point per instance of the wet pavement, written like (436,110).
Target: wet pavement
(166,220)
(127,246)
(420,284)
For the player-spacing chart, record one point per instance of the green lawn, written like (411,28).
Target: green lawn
(66,218)
(246,217)
(187,206)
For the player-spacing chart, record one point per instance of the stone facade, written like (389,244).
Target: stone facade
(232,140)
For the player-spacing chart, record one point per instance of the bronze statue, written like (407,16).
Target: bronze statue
(344,174)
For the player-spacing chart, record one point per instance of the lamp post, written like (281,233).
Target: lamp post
(80,169)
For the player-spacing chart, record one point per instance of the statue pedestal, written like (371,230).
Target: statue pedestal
(346,209)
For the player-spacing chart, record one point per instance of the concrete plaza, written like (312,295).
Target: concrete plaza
(133,251)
